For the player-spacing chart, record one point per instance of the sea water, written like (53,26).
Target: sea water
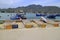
(7,16)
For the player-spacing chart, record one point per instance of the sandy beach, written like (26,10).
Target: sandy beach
(33,23)
(30,30)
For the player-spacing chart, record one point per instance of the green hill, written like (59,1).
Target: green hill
(34,8)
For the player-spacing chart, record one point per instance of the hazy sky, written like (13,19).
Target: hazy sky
(16,3)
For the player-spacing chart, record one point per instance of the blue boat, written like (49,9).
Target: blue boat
(18,16)
(51,16)
(40,14)
(57,14)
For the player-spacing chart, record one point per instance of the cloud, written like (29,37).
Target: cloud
(16,3)
(52,3)
(8,3)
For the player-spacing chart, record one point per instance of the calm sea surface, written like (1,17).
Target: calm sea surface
(6,16)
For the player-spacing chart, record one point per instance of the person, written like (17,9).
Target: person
(43,19)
